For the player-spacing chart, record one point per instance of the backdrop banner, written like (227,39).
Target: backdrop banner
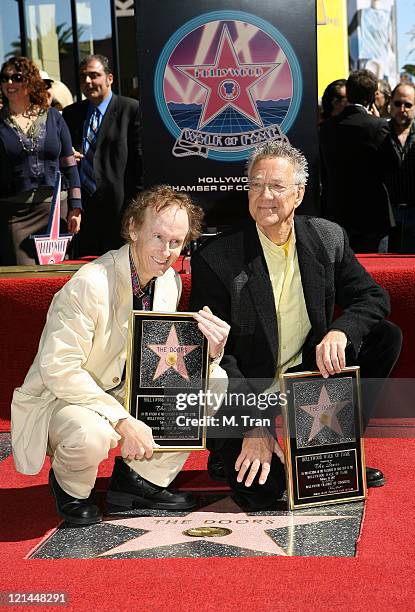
(218,79)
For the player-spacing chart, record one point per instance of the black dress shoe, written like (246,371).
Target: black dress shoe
(130,490)
(374,477)
(73,510)
(216,467)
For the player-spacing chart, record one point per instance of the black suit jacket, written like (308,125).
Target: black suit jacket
(117,161)
(355,152)
(230,275)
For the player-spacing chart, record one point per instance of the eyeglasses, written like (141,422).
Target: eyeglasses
(92,75)
(398,104)
(274,188)
(17,77)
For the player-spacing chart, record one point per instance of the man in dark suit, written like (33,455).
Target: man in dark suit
(275,281)
(401,176)
(105,133)
(355,154)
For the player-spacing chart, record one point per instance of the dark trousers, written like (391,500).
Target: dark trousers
(255,497)
(402,237)
(365,241)
(377,356)
(100,227)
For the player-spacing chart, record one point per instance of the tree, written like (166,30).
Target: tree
(65,41)
(409,68)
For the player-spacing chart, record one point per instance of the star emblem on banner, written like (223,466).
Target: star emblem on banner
(228,82)
(172,355)
(324,414)
(246,532)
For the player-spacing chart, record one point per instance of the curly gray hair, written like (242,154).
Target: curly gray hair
(281,148)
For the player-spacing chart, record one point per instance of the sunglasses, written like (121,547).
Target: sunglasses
(398,104)
(17,77)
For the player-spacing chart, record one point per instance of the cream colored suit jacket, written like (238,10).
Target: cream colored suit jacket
(82,351)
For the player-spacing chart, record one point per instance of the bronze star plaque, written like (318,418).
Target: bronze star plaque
(166,376)
(323,438)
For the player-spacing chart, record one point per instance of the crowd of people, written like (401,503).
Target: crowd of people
(367,162)
(367,157)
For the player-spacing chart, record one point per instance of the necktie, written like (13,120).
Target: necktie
(90,144)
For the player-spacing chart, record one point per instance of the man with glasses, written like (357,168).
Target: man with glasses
(276,280)
(401,179)
(105,133)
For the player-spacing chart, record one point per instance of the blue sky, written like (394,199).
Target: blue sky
(9,20)
(405,22)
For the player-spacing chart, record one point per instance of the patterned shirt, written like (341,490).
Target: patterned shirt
(400,180)
(142,300)
(142,296)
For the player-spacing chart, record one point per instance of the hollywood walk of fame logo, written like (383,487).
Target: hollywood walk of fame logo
(51,247)
(218,529)
(222,93)
(225,82)
(322,424)
(172,354)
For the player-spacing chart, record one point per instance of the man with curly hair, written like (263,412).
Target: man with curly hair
(70,404)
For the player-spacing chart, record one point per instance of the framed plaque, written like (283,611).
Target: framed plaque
(323,438)
(167,376)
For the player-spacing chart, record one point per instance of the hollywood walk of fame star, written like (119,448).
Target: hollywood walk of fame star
(57,254)
(51,247)
(172,355)
(228,82)
(247,532)
(324,414)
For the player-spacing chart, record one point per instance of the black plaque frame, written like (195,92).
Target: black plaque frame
(150,400)
(328,471)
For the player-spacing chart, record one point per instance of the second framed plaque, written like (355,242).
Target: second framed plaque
(323,438)
(167,377)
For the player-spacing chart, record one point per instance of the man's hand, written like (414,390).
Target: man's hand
(214,329)
(330,353)
(136,439)
(256,453)
(374,111)
(74,220)
(77,155)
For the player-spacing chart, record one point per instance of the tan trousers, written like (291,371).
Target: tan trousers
(80,438)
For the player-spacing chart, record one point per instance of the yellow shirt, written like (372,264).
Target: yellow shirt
(292,317)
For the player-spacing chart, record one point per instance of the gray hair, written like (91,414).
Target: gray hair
(281,148)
